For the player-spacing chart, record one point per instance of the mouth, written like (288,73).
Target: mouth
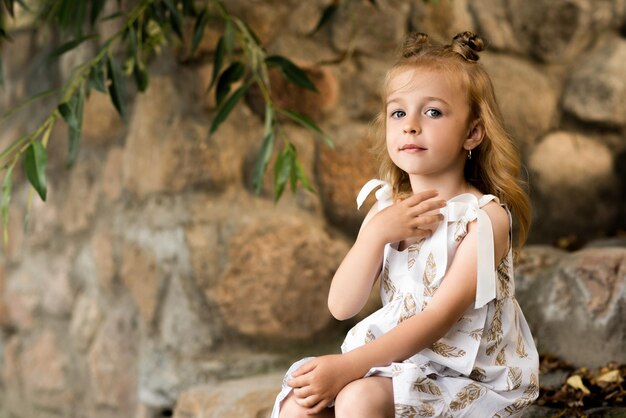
(412,148)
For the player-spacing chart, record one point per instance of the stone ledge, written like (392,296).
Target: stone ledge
(251,397)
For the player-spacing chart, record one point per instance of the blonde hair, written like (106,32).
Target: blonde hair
(495,164)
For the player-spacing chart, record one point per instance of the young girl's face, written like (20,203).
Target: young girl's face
(427,122)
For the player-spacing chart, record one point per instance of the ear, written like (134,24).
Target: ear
(475,134)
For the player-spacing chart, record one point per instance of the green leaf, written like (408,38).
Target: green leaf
(253,35)
(141,77)
(293,173)
(1,72)
(230,75)
(309,124)
(116,86)
(71,45)
(67,111)
(291,71)
(198,33)
(4,34)
(303,178)
(65,12)
(229,39)
(262,159)
(96,8)
(10,6)
(282,171)
(265,152)
(175,18)
(132,37)
(7,183)
(326,15)
(188,8)
(224,110)
(78,17)
(72,113)
(35,162)
(96,78)
(217,61)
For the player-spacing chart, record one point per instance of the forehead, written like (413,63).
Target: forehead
(420,82)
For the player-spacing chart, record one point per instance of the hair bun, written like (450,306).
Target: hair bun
(468,44)
(413,43)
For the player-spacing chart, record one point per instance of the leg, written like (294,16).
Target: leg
(290,409)
(369,397)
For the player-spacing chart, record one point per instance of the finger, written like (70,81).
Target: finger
(298,382)
(303,392)
(305,368)
(428,205)
(318,408)
(422,233)
(308,402)
(426,221)
(420,197)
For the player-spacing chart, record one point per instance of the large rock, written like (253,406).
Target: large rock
(276,283)
(140,273)
(168,151)
(360,83)
(574,180)
(553,31)
(596,90)
(576,308)
(45,373)
(527,97)
(286,95)
(39,288)
(86,320)
(443,19)
(84,184)
(101,122)
(372,28)
(112,362)
(493,24)
(251,397)
(342,172)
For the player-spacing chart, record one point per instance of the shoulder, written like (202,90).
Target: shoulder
(498,216)
(372,212)
(500,224)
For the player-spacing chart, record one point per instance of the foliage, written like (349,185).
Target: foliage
(146,27)
(583,389)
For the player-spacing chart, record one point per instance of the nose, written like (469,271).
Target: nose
(411,127)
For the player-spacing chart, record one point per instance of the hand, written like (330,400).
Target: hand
(318,382)
(414,217)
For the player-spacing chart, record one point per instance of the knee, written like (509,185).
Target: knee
(353,402)
(290,409)
(364,398)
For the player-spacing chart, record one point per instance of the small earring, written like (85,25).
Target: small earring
(469,154)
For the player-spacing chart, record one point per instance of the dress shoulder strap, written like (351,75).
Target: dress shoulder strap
(383,195)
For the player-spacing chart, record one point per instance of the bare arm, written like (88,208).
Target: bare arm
(319,381)
(453,297)
(355,276)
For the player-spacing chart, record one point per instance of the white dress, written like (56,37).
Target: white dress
(487,364)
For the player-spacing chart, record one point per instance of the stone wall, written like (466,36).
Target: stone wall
(154,273)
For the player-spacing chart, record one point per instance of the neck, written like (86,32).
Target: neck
(447,186)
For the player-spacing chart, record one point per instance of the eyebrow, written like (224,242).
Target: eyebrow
(427,99)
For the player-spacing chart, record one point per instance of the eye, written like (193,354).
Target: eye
(397,114)
(433,113)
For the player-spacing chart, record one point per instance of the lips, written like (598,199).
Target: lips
(412,147)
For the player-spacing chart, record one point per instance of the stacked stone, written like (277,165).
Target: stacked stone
(155,280)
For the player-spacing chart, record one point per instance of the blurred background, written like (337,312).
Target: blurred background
(155,281)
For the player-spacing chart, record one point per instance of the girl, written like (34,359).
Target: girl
(450,339)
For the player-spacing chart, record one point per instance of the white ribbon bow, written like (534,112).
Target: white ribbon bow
(383,195)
